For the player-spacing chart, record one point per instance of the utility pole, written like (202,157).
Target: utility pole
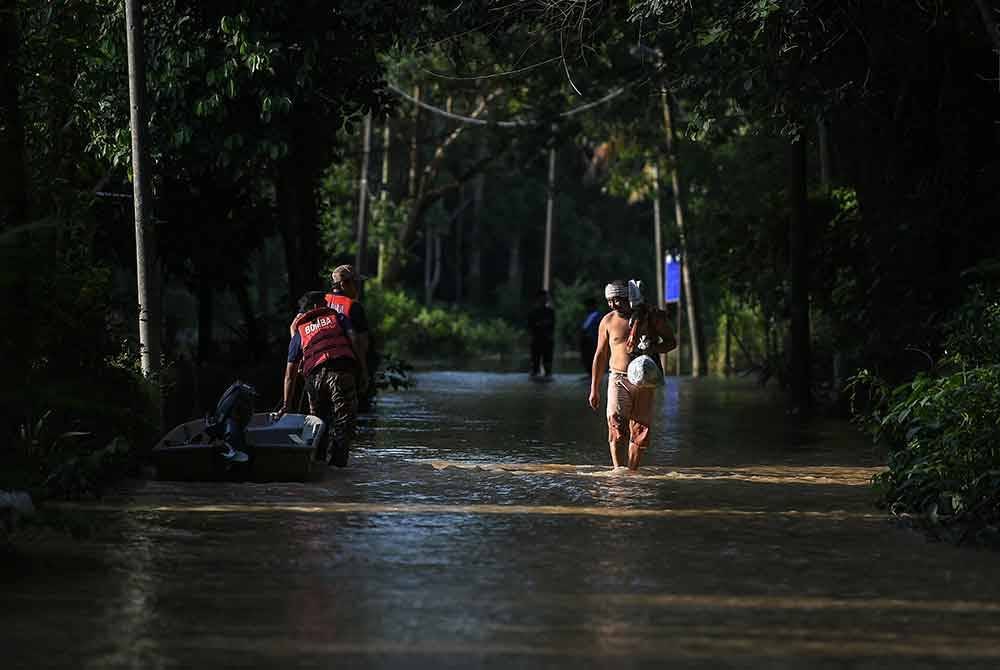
(547,274)
(658,247)
(145,239)
(384,193)
(359,257)
(690,297)
(798,252)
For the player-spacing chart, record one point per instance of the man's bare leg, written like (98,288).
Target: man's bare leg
(617,435)
(614,456)
(634,456)
(638,426)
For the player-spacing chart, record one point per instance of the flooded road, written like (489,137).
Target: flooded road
(479,526)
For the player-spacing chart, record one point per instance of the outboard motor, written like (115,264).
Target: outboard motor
(229,422)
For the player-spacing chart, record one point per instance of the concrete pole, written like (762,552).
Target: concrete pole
(384,191)
(145,239)
(658,247)
(687,281)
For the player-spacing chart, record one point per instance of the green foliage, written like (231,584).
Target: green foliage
(338,196)
(568,303)
(52,462)
(412,330)
(71,389)
(943,427)
(974,333)
(750,350)
(393,373)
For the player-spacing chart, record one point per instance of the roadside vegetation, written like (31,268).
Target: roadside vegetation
(942,430)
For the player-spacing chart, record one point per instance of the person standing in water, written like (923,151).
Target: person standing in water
(325,348)
(542,326)
(629,408)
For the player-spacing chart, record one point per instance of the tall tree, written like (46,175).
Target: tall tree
(14,193)
(363,195)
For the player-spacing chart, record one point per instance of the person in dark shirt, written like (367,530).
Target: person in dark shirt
(542,326)
(588,334)
(344,296)
(324,348)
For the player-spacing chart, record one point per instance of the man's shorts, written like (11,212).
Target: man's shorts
(630,411)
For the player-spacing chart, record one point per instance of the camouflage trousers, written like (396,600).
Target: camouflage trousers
(333,397)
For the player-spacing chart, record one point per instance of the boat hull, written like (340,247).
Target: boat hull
(278,451)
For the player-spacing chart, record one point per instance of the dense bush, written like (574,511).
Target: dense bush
(942,428)
(411,330)
(75,402)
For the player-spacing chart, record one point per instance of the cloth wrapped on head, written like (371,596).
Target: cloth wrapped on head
(616,289)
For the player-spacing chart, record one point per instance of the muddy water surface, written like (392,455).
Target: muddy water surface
(479,526)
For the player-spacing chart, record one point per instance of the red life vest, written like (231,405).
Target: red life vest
(336,301)
(323,337)
(340,302)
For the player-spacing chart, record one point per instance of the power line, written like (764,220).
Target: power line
(517,123)
(494,75)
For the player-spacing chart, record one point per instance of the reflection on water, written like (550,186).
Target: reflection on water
(480,526)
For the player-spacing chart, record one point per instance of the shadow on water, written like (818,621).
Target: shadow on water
(480,526)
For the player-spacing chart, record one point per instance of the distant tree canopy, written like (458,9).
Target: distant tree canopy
(256,118)
(898,102)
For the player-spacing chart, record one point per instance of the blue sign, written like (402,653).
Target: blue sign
(672,279)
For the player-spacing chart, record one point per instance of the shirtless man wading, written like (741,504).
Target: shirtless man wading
(630,408)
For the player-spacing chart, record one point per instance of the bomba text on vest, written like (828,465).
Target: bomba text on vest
(318,323)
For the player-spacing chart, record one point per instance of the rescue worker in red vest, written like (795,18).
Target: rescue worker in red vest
(325,346)
(343,297)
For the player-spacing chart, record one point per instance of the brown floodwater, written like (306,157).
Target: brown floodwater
(480,526)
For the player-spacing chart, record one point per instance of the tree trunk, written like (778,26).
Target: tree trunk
(459,217)
(798,249)
(699,361)
(727,364)
(474,281)
(551,192)
(515,275)
(424,196)
(298,220)
(826,181)
(681,305)
(362,239)
(658,248)
(14,193)
(145,238)
(436,274)
(206,320)
(432,236)
(411,187)
(825,159)
(255,344)
(383,195)
(428,262)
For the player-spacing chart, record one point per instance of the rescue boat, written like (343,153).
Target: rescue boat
(276,449)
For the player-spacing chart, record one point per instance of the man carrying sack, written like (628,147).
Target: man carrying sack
(631,334)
